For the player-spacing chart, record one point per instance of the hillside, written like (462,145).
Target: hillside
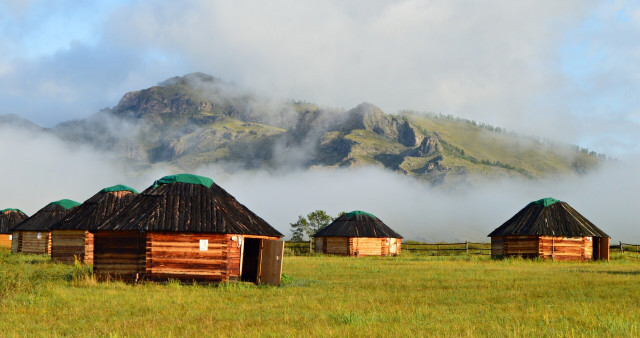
(197,120)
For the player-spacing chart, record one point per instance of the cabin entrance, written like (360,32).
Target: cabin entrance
(601,248)
(262,261)
(250,259)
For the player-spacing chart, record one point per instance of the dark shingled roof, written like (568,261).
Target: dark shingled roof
(90,214)
(554,219)
(188,207)
(9,218)
(357,224)
(44,219)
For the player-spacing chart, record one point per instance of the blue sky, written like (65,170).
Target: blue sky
(564,70)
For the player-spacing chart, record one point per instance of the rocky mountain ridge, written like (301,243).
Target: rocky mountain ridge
(198,120)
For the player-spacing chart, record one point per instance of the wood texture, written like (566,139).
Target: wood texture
(31,244)
(271,266)
(119,255)
(15,242)
(603,246)
(358,246)
(546,247)
(188,208)
(178,255)
(67,246)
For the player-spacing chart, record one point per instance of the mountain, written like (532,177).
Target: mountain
(198,119)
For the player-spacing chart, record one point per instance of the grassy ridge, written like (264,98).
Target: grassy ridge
(323,295)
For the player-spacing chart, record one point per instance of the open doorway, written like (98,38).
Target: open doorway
(596,248)
(250,260)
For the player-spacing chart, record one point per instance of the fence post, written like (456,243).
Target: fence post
(310,251)
(466,247)
(621,247)
(438,249)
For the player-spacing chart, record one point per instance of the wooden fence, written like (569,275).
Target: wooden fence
(432,249)
(447,249)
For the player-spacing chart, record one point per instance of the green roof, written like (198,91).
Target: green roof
(545,202)
(67,204)
(358,212)
(119,187)
(10,209)
(184,178)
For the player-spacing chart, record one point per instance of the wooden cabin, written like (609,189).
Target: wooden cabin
(33,235)
(72,239)
(188,228)
(358,233)
(550,229)
(9,218)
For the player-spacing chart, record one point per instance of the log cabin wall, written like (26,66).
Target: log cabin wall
(523,246)
(16,242)
(182,256)
(118,254)
(497,250)
(366,246)
(566,248)
(319,244)
(335,245)
(391,246)
(187,256)
(5,241)
(69,245)
(31,244)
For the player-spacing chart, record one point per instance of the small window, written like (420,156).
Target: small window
(38,235)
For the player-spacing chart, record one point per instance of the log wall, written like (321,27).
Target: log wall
(31,244)
(566,248)
(335,245)
(358,246)
(319,246)
(15,242)
(5,241)
(364,246)
(179,256)
(545,247)
(119,255)
(497,250)
(69,245)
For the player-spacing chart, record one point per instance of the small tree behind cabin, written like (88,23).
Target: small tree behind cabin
(305,227)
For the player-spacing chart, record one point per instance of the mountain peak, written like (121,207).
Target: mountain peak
(190,80)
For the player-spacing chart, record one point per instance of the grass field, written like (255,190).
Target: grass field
(323,295)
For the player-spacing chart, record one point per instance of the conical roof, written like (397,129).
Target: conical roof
(357,224)
(548,217)
(90,214)
(47,217)
(9,218)
(200,206)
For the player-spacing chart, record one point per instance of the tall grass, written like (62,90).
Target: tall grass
(326,295)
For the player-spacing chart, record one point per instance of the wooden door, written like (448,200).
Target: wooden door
(603,244)
(271,252)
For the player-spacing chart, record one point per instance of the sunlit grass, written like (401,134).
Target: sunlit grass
(325,295)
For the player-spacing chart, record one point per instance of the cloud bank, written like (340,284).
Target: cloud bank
(39,168)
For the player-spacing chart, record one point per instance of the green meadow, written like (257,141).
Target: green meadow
(407,295)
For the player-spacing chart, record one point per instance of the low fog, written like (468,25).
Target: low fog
(38,168)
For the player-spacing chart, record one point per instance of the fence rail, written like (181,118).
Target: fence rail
(443,249)
(304,248)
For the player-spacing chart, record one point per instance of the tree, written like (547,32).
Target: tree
(309,225)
